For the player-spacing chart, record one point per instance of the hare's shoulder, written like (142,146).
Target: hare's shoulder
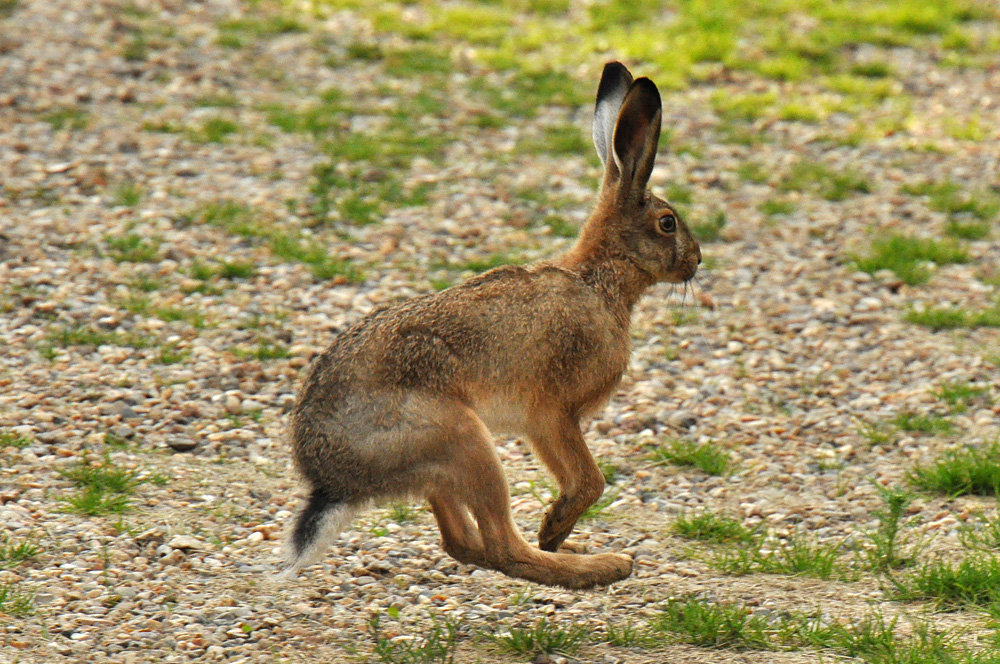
(520,280)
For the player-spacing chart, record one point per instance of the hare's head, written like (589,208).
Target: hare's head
(629,220)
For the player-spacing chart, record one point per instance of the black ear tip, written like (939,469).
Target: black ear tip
(614,67)
(647,90)
(614,78)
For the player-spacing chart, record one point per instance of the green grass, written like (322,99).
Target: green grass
(961,471)
(264,351)
(67,118)
(214,130)
(907,256)
(950,318)
(798,555)
(952,199)
(175,314)
(14,601)
(233,217)
(559,140)
(712,625)
(132,248)
(973,582)
(402,512)
(776,206)
(102,488)
(753,171)
(875,433)
(542,638)
(709,231)
(14,440)
(708,526)
(917,423)
(743,107)
(437,646)
(559,227)
(973,230)
(873,69)
(83,335)
(831,184)
(707,457)
(128,194)
(600,505)
(14,553)
(959,395)
(892,544)
(981,532)
(136,48)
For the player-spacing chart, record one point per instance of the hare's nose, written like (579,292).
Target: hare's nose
(698,249)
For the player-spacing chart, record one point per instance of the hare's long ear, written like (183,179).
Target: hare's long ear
(615,82)
(637,135)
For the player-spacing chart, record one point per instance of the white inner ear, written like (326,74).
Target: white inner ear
(605,118)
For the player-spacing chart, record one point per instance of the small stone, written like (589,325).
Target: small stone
(181,443)
(185,542)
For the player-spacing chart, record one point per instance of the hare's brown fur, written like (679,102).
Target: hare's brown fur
(406,401)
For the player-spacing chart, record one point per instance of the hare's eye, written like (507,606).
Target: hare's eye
(668,223)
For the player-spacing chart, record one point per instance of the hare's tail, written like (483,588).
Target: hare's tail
(315,529)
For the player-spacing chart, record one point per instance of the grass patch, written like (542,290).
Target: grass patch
(14,601)
(973,582)
(436,647)
(233,217)
(180,314)
(743,107)
(875,433)
(82,335)
(959,395)
(102,488)
(263,351)
(950,318)
(833,185)
(917,423)
(136,48)
(559,227)
(132,248)
(967,470)
(707,457)
(892,544)
(597,509)
(14,553)
(952,199)
(128,194)
(15,440)
(555,140)
(70,118)
(709,231)
(706,625)
(214,130)
(907,256)
(981,533)
(798,555)
(542,638)
(708,526)
(775,206)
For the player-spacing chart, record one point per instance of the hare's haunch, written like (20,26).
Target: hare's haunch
(406,402)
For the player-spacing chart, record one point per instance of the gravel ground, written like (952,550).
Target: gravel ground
(798,347)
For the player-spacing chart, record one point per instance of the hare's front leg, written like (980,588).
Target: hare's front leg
(559,442)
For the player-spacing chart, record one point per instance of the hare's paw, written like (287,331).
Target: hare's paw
(601,570)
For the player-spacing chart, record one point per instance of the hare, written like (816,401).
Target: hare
(406,401)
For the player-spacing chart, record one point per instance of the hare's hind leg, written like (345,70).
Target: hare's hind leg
(458,532)
(478,480)
(558,441)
